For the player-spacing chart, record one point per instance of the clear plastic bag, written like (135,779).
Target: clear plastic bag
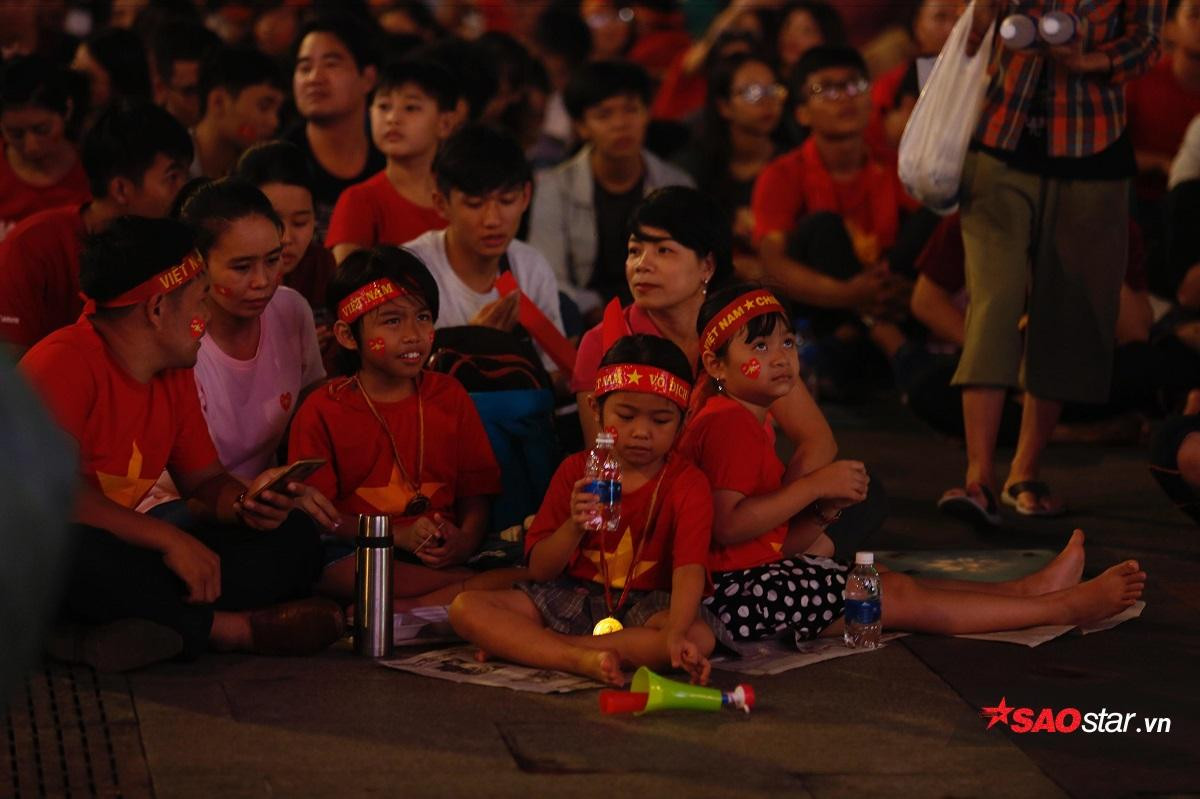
(935,141)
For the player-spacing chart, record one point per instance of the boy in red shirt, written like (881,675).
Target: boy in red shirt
(119,381)
(136,159)
(412,112)
(398,440)
(599,601)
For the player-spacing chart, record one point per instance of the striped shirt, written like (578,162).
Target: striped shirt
(1084,114)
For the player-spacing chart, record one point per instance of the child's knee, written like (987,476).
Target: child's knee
(464,606)
(703,637)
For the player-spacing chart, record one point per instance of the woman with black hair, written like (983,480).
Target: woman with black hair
(41,112)
(737,139)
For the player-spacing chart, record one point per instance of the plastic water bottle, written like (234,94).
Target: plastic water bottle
(603,474)
(863,615)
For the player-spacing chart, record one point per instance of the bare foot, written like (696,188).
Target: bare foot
(1062,572)
(1104,596)
(602,665)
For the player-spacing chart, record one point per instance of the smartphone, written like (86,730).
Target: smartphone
(295,473)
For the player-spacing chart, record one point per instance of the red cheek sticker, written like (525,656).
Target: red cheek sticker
(197,327)
(751,368)
(224,292)
(376,344)
(431,334)
(612,431)
(247,133)
(285,401)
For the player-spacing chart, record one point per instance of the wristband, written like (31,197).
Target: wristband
(822,519)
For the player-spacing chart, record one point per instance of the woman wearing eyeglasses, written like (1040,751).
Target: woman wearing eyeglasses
(737,138)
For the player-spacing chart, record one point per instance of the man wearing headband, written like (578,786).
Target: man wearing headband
(119,381)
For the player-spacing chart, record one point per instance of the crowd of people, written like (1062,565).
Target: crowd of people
(435,249)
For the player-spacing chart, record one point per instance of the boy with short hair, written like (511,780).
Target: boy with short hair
(335,72)
(483,188)
(580,207)
(120,382)
(412,112)
(826,214)
(136,158)
(176,50)
(241,92)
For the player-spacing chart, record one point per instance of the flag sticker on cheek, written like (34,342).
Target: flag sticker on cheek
(751,368)
(196,326)
(224,292)
(376,344)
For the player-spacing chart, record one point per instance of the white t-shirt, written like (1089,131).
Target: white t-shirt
(1186,165)
(458,303)
(248,404)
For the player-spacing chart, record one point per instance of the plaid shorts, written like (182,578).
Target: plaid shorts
(572,607)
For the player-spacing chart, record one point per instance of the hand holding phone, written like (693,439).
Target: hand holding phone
(295,473)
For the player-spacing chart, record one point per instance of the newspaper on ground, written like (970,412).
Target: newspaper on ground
(458,664)
(421,626)
(1034,636)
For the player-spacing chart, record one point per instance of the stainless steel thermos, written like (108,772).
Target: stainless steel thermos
(373,587)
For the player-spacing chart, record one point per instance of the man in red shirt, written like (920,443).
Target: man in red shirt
(119,381)
(136,159)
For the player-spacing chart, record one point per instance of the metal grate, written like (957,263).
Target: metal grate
(72,733)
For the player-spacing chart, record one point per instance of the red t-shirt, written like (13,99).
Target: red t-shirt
(19,200)
(361,475)
(1159,112)
(39,275)
(736,453)
(797,184)
(127,431)
(373,212)
(680,535)
(680,95)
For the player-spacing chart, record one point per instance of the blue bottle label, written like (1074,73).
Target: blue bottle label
(614,491)
(602,490)
(862,611)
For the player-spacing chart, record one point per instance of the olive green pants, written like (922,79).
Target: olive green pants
(1057,251)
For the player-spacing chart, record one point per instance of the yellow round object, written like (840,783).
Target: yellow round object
(606,626)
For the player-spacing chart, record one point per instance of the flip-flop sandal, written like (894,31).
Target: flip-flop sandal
(1040,492)
(971,510)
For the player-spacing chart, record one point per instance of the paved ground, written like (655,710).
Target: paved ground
(903,721)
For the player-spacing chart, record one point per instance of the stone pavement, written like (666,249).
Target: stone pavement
(904,721)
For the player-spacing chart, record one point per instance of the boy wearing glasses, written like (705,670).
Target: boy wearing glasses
(828,218)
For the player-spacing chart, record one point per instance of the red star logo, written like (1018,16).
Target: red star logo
(376,344)
(197,327)
(997,714)
(751,368)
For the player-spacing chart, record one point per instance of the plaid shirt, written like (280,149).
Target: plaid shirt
(1084,114)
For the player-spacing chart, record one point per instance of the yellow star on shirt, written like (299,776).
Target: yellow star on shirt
(395,496)
(635,377)
(618,562)
(129,488)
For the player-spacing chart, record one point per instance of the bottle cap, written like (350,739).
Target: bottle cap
(864,558)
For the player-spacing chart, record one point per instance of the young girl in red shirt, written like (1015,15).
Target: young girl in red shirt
(398,440)
(763,586)
(598,602)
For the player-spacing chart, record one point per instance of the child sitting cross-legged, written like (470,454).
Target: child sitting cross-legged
(644,582)
(765,587)
(398,440)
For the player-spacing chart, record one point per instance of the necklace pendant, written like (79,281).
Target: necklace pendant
(607,625)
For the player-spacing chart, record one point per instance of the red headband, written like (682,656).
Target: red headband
(737,313)
(163,283)
(644,380)
(368,298)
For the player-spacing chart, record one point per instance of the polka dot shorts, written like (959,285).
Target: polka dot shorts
(802,595)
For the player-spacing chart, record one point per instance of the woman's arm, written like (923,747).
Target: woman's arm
(802,422)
